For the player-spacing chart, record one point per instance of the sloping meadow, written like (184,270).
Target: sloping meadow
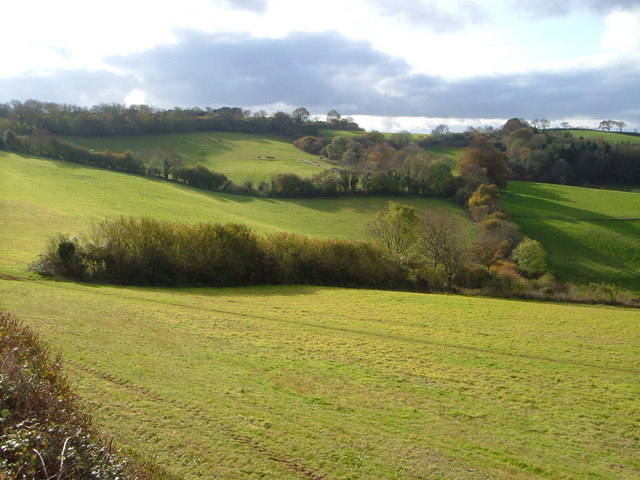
(316,382)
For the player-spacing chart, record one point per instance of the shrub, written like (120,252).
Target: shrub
(44,431)
(530,255)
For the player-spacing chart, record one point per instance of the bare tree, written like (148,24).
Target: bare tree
(443,241)
(620,125)
(564,125)
(605,125)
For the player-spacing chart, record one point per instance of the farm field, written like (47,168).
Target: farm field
(241,157)
(611,137)
(590,234)
(307,382)
(40,198)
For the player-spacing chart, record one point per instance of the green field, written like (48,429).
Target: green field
(40,198)
(239,156)
(306,382)
(591,235)
(310,382)
(611,137)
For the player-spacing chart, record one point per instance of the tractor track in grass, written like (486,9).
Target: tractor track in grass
(386,336)
(145,392)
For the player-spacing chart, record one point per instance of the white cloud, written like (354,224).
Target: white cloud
(622,32)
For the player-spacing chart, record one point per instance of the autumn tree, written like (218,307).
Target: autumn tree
(482,154)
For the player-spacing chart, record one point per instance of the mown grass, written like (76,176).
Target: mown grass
(40,198)
(611,137)
(591,235)
(295,382)
(239,156)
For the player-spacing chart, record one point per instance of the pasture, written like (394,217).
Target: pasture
(310,382)
(40,198)
(611,137)
(307,382)
(591,235)
(241,157)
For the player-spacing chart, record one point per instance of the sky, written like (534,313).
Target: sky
(391,65)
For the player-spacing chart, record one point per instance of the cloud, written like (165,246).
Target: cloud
(300,69)
(255,6)
(84,87)
(587,93)
(322,71)
(550,8)
(433,14)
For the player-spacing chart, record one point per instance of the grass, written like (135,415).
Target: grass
(611,137)
(451,154)
(294,382)
(39,198)
(239,156)
(327,132)
(591,235)
(308,382)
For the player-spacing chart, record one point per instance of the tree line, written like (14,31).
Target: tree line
(560,157)
(117,119)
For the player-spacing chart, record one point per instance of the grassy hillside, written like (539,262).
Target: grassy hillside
(239,156)
(291,382)
(296,382)
(41,197)
(611,137)
(590,234)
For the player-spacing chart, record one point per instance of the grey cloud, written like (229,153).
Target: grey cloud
(325,70)
(309,69)
(589,93)
(433,14)
(69,86)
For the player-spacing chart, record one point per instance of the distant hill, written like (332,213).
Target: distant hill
(240,156)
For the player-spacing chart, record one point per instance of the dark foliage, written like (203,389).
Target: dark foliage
(117,119)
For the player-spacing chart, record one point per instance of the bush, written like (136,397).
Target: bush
(530,255)
(44,431)
(144,251)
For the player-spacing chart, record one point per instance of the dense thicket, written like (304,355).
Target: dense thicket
(144,251)
(44,431)
(116,119)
